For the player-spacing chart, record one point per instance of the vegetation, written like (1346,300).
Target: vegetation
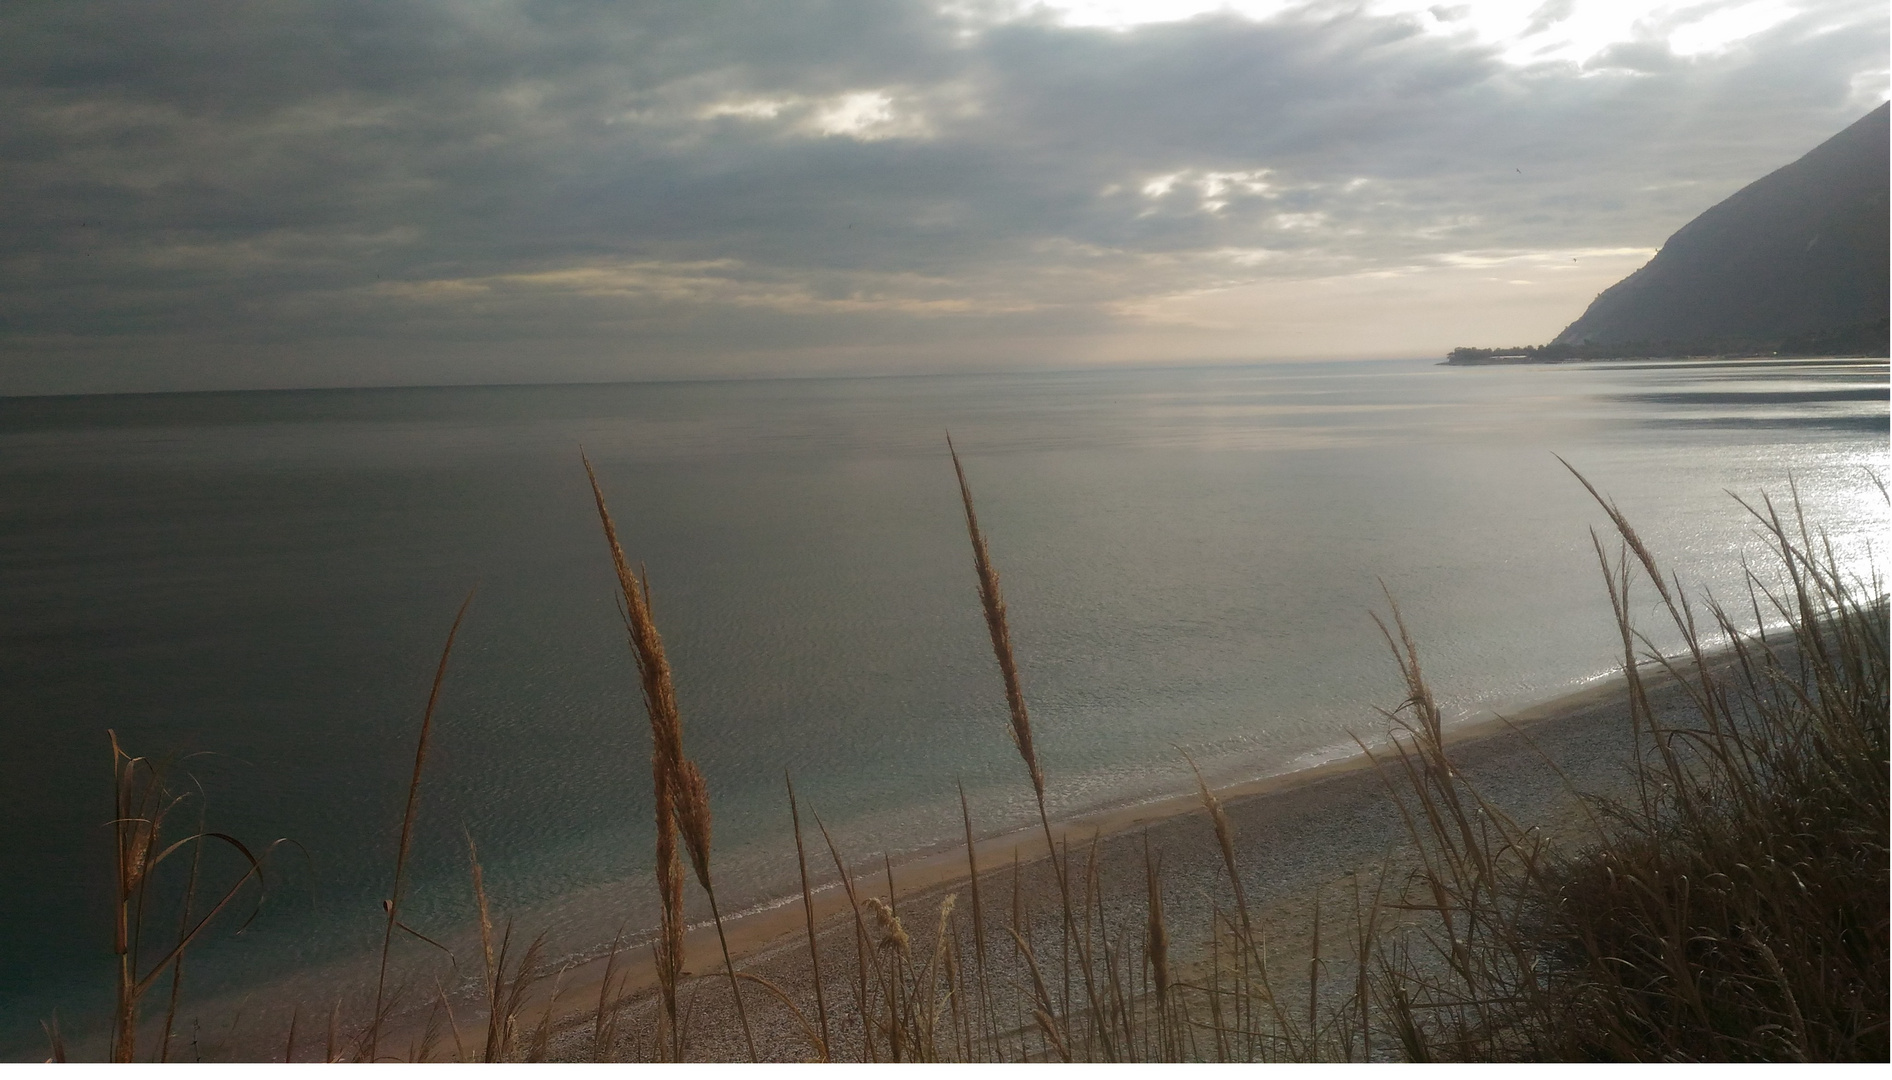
(1733,908)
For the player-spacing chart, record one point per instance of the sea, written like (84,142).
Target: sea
(252,590)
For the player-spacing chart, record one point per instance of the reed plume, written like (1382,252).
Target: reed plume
(681,793)
(893,935)
(666,748)
(993,602)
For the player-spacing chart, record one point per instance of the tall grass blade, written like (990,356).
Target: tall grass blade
(992,601)
(808,914)
(407,828)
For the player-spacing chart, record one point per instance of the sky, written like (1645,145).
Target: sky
(272,193)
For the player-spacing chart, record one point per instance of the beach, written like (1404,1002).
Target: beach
(1329,831)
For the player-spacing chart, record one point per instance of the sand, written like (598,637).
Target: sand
(1328,830)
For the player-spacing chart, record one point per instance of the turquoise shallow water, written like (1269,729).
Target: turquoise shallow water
(260,583)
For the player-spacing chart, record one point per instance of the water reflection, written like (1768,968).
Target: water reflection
(1189,554)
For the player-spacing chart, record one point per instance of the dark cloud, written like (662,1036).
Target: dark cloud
(303,193)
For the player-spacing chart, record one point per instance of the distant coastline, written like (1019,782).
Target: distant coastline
(1867,340)
(1792,265)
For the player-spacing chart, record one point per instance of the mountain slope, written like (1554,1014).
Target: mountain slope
(1797,257)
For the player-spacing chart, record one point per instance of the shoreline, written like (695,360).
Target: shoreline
(777,927)
(1310,829)
(1299,822)
(1520,360)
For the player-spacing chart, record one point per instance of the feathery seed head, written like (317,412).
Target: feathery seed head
(893,935)
(993,602)
(668,784)
(691,794)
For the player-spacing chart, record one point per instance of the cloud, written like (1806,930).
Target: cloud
(666,188)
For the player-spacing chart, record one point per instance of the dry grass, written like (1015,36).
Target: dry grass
(407,832)
(682,795)
(143,805)
(1733,908)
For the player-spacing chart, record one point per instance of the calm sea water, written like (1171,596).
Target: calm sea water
(258,585)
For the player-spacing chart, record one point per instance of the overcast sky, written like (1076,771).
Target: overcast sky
(278,193)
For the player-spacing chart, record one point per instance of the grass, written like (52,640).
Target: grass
(1733,909)
(143,805)
(1733,906)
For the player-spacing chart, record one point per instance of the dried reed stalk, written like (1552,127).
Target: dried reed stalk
(1250,950)
(863,956)
(183,926)
(453,1026)
(978,915)
(510,994)
(489,982)
(1366,931)
(1313,972)
(693,820)
(55,1042)
(681,797)
(895,942)
(801,1019)
(992,601)
(542,1034)
(141,803)
(1224,840)
(429,1035)
(1156,934)
(808,913)
(407,828)
(604,1021)
(1042,1013)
